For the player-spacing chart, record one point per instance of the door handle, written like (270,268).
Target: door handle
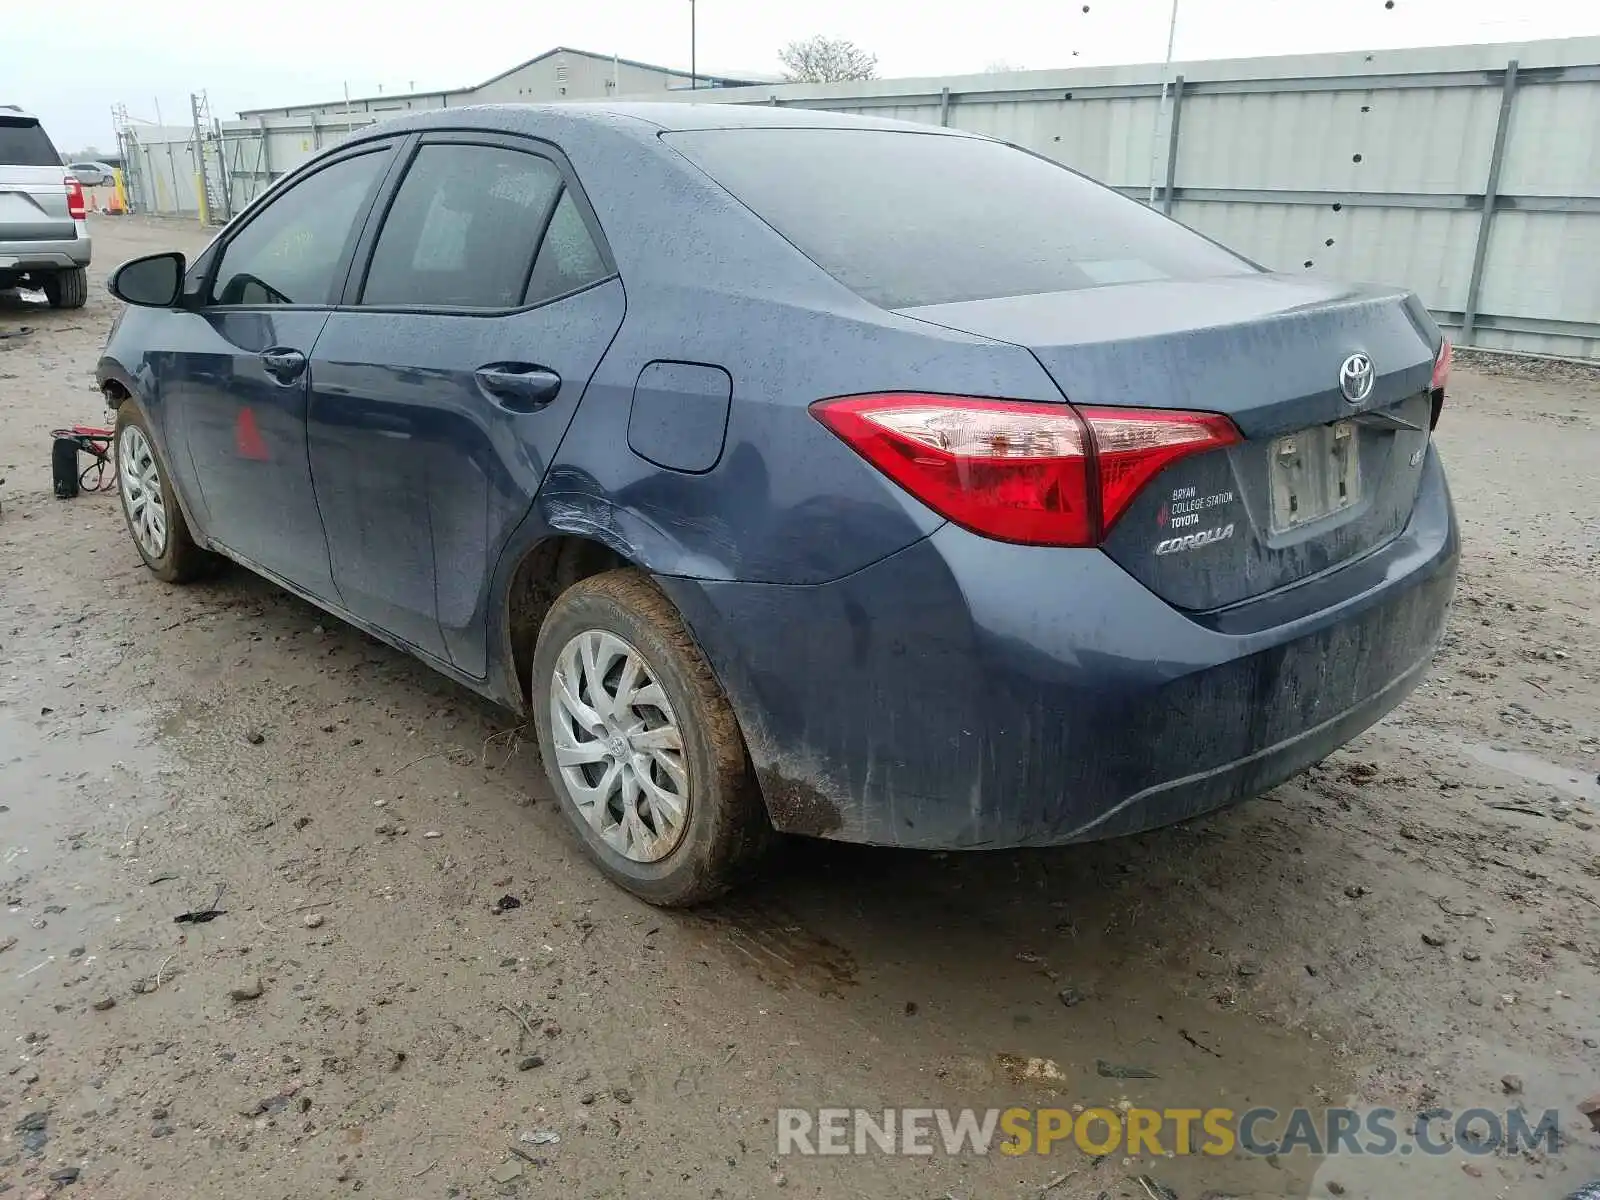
(518,387)
(284,365)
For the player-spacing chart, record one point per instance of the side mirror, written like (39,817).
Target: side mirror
(153,281)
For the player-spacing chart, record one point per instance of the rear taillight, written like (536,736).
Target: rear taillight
(1043,474)
(1132,446)
(1441,380)
(76,208)
(1441,367)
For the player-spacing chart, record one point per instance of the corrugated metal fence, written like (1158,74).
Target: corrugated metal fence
(1469,173)
(214,173)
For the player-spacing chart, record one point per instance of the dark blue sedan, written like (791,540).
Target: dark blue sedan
(801,473)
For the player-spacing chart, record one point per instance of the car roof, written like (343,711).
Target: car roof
(13,112)
(666,115)
(678,116)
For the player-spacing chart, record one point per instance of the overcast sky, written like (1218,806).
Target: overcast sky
(72,64)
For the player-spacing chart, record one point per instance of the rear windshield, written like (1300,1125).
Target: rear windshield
(23,143)
(904,219)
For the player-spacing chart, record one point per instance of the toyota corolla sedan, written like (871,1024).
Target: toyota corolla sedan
(792,472)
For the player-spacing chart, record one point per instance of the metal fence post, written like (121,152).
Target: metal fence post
(1491,192)
(1172,145)
(266,158)
(177,193)
(944,106)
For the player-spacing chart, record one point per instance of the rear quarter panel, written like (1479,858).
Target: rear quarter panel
(709,283)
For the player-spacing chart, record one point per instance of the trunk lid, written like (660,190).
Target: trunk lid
(1319,479)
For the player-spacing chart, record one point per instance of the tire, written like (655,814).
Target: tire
(722,829)
(170,551)
(67,289)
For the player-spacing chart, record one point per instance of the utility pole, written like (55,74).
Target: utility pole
(1161,105)
(202,184)
(694,78)
(128,147)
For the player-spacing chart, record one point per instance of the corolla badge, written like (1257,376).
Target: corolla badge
(1193,541)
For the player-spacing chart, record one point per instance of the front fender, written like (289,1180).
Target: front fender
(109,371)
(118,384)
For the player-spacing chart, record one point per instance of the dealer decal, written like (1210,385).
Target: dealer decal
(1193,541)
(1187,505)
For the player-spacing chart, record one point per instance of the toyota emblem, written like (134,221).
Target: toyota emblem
(1355,378)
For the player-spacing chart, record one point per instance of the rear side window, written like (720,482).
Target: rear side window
(24,143)
(568,258)
(905,219)
(463,227)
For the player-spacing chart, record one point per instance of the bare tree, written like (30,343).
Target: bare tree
(826,60)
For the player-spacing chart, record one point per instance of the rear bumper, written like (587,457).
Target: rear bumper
(966,693)
(63,254)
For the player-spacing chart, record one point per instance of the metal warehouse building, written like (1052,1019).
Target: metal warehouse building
(555,75)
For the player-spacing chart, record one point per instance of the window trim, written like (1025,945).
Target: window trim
(218,251)
(361,264)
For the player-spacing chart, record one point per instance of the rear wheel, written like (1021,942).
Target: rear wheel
(155,521)
(67,289)
(641,745)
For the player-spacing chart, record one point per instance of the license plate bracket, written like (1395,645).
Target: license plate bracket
(1314,474)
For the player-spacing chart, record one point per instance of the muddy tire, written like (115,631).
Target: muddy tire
(155,522)
(67,289)
(641,746)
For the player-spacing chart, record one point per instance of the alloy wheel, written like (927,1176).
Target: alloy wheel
(618,747)
(141,491)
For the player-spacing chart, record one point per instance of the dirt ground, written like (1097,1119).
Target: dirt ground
(1406,924)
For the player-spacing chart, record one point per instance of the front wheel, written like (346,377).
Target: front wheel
(640,744)
(155,521)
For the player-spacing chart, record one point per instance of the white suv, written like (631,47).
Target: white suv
(44,236)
